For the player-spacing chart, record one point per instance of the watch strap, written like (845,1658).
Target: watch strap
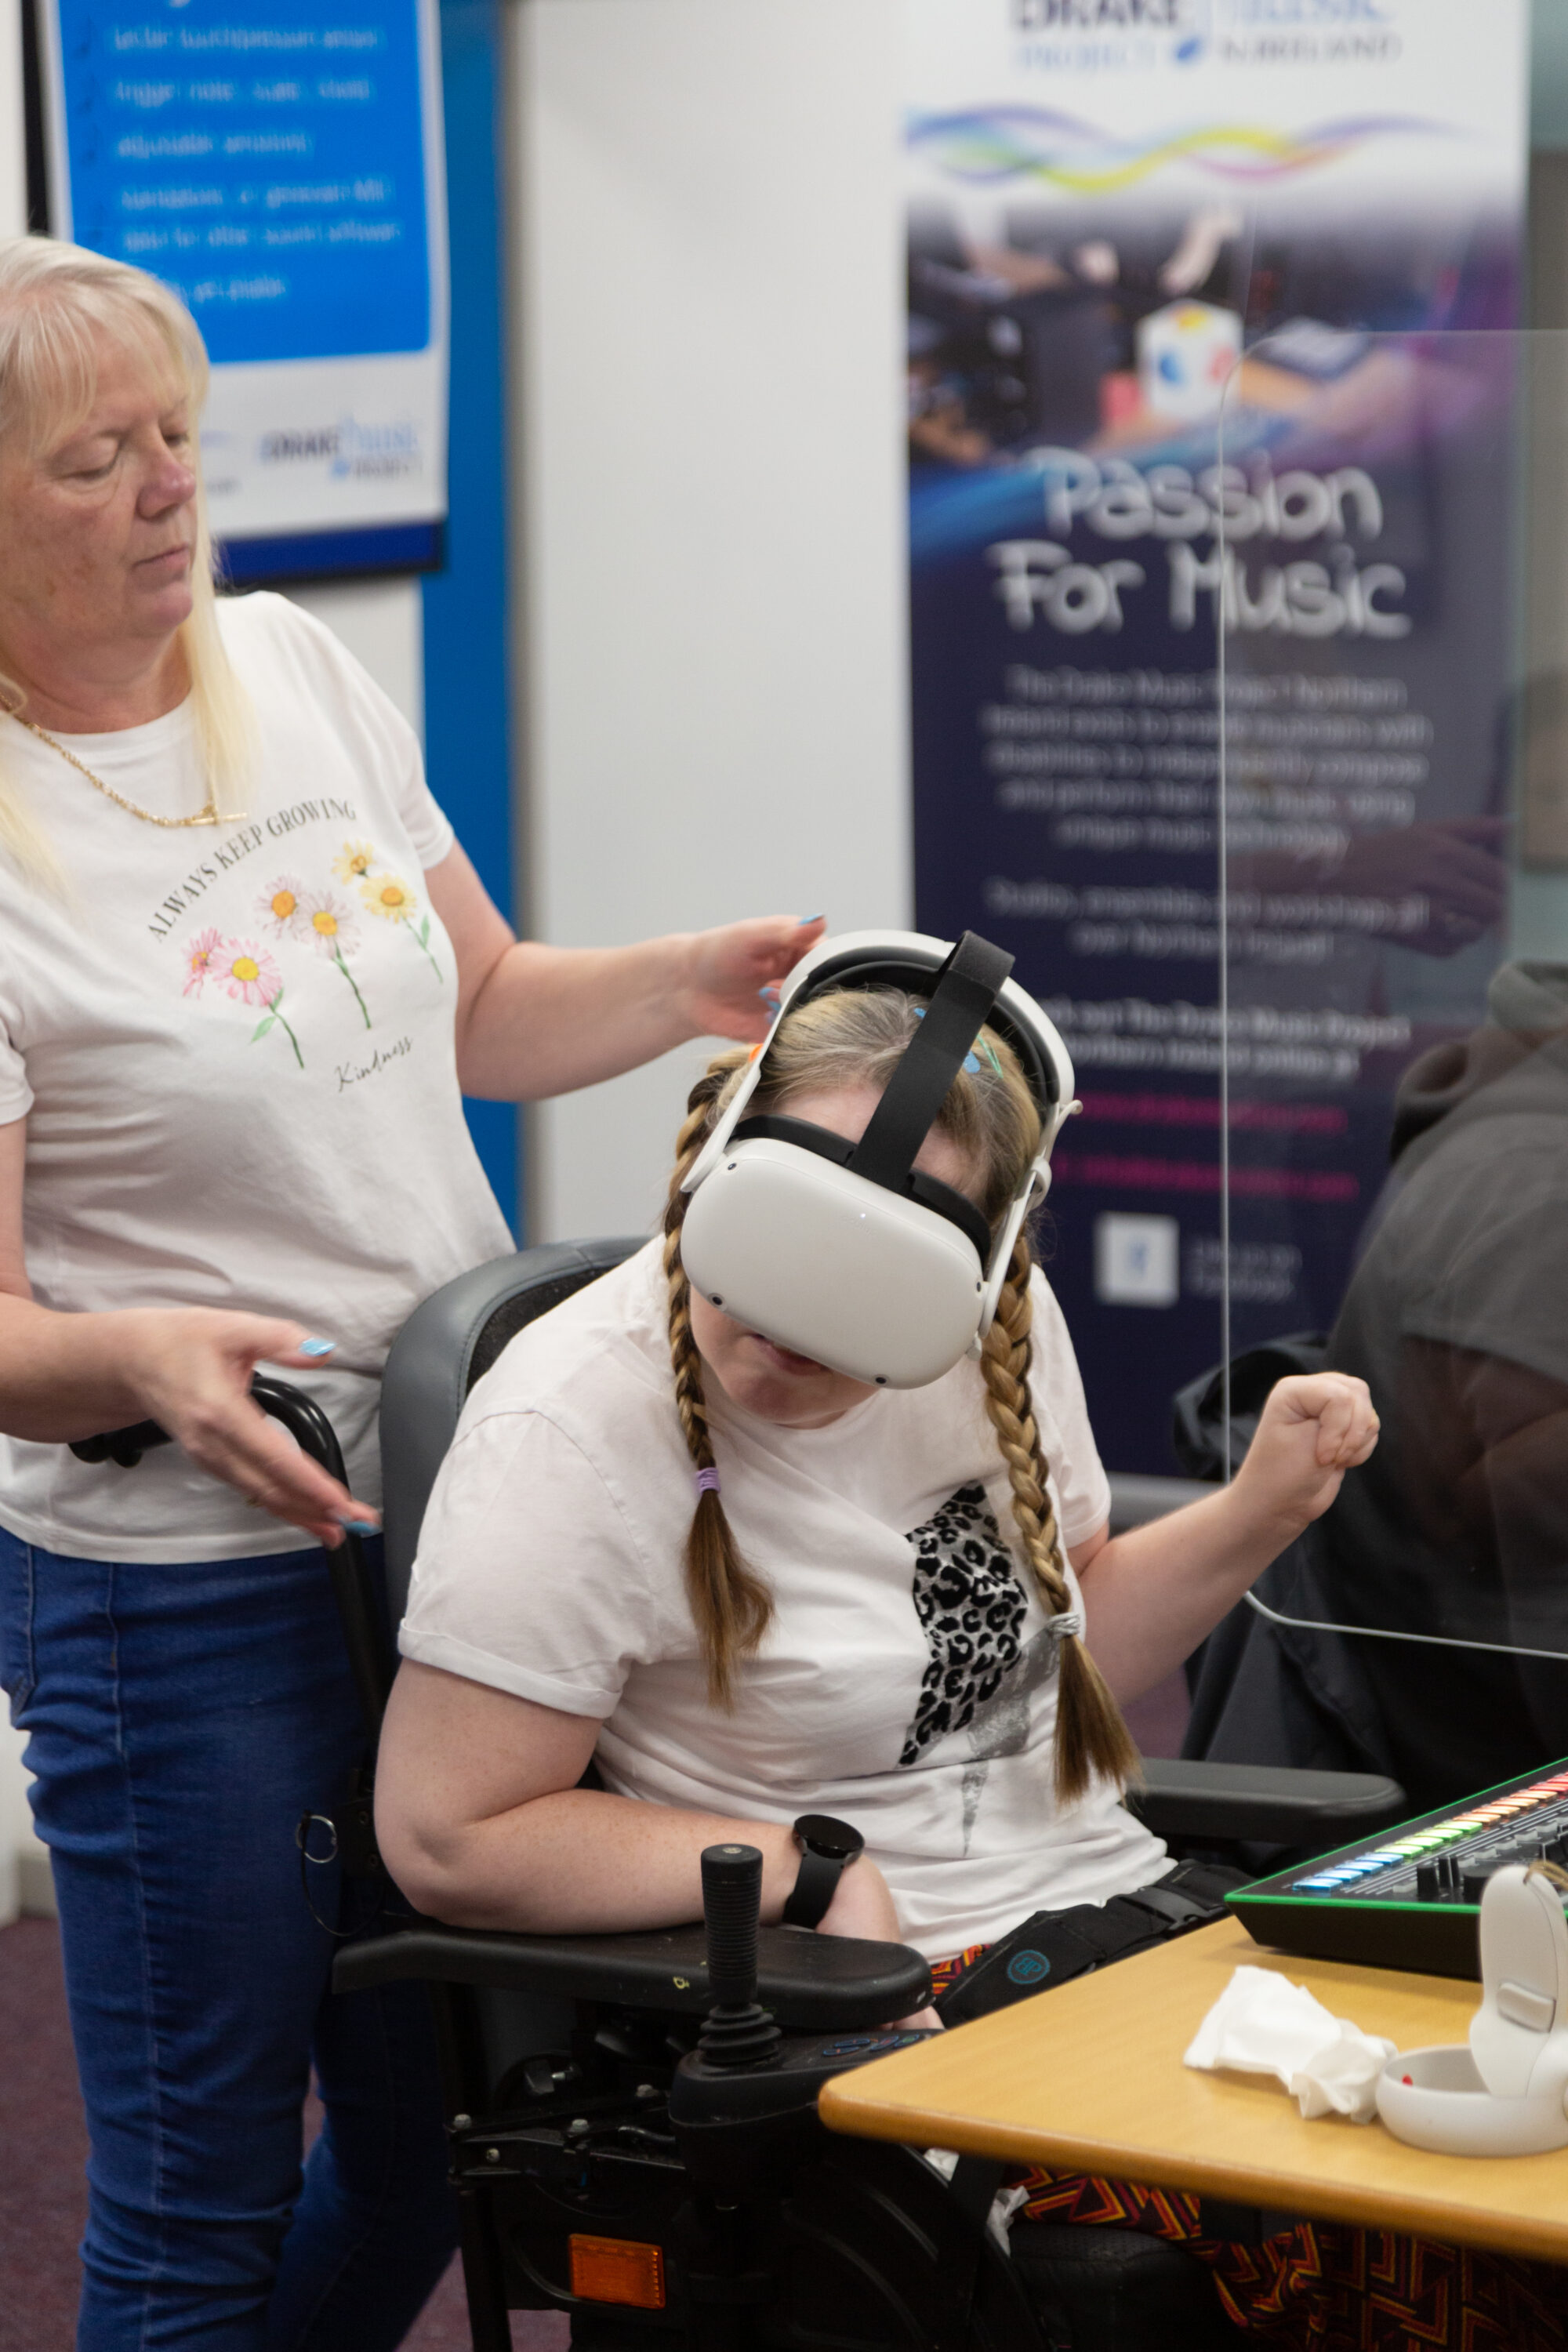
(817,1882)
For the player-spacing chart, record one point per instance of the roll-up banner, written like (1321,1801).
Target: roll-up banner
(1109,201)
(279,163)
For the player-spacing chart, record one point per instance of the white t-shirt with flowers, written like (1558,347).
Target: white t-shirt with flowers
(233,1047)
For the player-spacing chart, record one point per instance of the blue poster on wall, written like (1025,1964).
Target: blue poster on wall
(1102,221)
(280,166)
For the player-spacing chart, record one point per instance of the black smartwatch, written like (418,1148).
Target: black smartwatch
(827,1847)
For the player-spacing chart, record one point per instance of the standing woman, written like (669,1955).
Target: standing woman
(246,973)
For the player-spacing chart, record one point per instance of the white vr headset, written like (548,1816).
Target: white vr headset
(846,1252)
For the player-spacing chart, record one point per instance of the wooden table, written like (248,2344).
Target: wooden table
(1089,2079)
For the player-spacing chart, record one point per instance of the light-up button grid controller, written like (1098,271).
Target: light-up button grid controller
(1410,1898)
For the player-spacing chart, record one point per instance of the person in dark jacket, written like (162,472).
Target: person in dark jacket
(1456,1318)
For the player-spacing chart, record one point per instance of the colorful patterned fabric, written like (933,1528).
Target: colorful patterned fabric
(1324,2286)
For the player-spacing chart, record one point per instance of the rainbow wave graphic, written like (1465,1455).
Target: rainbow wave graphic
(991,144)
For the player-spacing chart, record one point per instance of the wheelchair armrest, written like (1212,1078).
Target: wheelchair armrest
(1270,1803)
(812,1984)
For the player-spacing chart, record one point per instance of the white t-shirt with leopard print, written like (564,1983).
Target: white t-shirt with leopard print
(907,1682)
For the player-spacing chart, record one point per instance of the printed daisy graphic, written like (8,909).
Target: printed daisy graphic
(251,976)
(200,954)
(275,1016)
(278,905)
(248,972)
(331,921)
(388,896)
(353,861)
(333,925)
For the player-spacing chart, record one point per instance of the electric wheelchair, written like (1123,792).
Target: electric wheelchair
(632,2117)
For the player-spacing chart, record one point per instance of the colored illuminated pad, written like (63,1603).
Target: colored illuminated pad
(1323,1883)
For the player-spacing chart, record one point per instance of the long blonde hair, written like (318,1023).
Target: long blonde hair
(54,299)
(857,1037)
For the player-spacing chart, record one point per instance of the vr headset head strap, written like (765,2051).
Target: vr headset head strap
(966,988)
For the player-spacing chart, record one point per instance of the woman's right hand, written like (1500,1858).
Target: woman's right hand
(190,1369)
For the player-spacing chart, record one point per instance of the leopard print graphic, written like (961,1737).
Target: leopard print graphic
(970,1603)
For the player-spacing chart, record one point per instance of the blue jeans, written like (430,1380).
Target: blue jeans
(182,1719)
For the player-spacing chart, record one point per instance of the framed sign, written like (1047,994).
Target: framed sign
(279,164)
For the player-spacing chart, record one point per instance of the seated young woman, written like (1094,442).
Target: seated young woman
(875,1618)
(872,1619)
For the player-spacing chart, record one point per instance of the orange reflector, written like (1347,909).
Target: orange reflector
(617,2270)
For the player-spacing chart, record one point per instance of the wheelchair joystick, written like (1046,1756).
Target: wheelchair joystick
(738,2032)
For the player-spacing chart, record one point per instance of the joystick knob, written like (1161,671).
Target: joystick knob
(738,2032)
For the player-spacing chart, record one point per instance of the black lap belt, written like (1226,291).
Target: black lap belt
(1167,1903)
(1053,1946)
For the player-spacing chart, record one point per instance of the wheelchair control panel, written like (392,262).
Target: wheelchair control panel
(671,2183)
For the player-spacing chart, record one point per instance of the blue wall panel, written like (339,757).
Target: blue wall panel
(466,697)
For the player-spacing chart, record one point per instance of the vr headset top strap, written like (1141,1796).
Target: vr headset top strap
(966,989)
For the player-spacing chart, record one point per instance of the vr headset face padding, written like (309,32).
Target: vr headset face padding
(789,1246)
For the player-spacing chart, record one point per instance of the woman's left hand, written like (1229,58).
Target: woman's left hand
(1314,1427)
(731,967)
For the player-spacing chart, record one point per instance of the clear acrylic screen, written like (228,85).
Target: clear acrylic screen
(1392,587)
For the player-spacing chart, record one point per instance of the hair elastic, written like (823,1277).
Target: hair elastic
(1067,1626)
(708,1481)
(971,1059)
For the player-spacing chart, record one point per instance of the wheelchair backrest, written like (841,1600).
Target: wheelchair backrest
(446,1345)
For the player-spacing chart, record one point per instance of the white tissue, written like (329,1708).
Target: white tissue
(1264,2024)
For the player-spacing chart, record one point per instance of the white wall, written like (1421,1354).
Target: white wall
(709,281)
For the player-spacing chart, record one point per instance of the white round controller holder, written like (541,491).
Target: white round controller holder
(1507,2094)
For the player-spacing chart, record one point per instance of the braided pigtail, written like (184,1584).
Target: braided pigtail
(1092,1741)
(731,1605)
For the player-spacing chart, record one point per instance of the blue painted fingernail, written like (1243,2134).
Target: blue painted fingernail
(769,995)
(972,1064)
(356,1526)
(315,1347)
(811,919)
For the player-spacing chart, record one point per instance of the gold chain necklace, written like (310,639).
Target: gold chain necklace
(206,815)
